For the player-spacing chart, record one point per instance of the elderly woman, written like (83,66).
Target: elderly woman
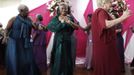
(61,57)
(19,55)
(105,55)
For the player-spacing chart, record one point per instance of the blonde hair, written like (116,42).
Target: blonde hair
(100,3)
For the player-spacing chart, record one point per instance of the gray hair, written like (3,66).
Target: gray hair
(100,3)
(64,4)
(22,7)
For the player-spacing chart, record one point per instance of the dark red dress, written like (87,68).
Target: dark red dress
(105,55)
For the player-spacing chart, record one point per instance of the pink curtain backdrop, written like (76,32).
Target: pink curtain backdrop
(129,22)
(89,10)
(80,35)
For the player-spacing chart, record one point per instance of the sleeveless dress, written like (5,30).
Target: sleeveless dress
(19,55)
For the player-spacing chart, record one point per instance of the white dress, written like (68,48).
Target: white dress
(129,52)
(89,51)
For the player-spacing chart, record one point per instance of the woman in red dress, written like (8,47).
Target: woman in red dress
(105,55)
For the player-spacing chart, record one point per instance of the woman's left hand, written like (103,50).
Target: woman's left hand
(4,40)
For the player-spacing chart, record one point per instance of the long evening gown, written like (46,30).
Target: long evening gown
(105,54)
(61,56)
(19,54)
(39,47)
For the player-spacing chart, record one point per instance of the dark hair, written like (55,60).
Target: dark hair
(39,17)
(89,15)
(69,10)
(58,11)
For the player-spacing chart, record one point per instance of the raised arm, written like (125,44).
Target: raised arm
(111,23)
(70,21)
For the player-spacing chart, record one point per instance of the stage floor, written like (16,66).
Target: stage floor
(80,70)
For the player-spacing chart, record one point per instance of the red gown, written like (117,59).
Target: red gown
(105,55)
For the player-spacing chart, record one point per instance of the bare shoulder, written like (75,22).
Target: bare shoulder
(12,19)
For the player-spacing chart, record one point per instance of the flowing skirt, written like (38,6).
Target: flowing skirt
(40,57)
(106,59)
(73,48)
(61,57)
(89,52)
(19,60)
(129,52)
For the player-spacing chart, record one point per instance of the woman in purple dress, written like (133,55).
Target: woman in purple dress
(39,44)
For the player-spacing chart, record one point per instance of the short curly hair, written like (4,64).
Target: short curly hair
(100,3)
(22,7)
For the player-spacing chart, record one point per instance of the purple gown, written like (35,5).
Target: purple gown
(39,47)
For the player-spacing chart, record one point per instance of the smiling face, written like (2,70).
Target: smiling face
(63,9)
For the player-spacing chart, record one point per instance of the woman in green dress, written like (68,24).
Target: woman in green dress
(61,57)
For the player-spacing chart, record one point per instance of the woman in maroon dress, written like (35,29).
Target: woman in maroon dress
(105,55)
